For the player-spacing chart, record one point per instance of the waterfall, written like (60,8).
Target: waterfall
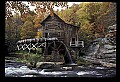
(67,57)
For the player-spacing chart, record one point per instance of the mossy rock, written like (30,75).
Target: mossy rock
(81,61)
(46,66)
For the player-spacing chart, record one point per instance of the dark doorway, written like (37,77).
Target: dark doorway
(46,35)
(73,40)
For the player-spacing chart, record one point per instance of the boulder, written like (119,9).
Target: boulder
(67,68)
(110,55)
(92,50)
(103,49)
(107,46)
(46,66)
(109,51)
(109,65)
(96,63)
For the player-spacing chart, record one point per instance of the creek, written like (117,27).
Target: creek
(17,69)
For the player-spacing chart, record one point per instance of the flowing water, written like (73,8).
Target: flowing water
(16,69)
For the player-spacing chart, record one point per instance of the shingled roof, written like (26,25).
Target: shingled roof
(50,16)
(58,18)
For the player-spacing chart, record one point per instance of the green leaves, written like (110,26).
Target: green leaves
(93,18)
(27,30)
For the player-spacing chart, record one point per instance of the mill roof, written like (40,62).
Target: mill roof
(58,18)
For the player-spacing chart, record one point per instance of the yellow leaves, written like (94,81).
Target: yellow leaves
(37,20)
(37,25)
(39,34)
(47,6)
(51,12)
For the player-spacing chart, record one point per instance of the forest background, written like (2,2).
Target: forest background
(93,19)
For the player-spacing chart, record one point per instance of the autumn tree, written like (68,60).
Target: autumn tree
(93,18)
(16,7)
(66,16)
(27,29)
(106,18)
(37,20)
(74,8)
(12,31)
(69,15)
(22,8)
(100,15)
(47,6)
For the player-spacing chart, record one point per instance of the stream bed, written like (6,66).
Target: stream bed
(16,69)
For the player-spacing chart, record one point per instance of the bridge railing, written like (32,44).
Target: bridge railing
(77,44)
(33,43)
(36,40)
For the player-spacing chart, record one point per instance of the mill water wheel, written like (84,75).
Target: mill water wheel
(58,48)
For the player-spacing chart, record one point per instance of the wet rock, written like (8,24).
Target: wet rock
(104,40)
(54,69)
(46,66)
(54,64)
(110,65)
(110,55)
(9,61)
(112,61)
(67,68)
(109,51)
(112,27)
(96,63)
(107,46)
(93,49)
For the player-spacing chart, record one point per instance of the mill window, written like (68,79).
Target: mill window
(73,40)
(46,35)
(59,34)
(59,25)
(46,26)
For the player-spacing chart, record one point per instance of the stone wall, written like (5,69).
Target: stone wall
(103,49)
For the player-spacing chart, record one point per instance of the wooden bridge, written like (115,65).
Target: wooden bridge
(49,45)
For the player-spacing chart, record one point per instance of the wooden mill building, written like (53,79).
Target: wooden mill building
(55,27)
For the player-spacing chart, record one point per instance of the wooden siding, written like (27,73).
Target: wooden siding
(56,27)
